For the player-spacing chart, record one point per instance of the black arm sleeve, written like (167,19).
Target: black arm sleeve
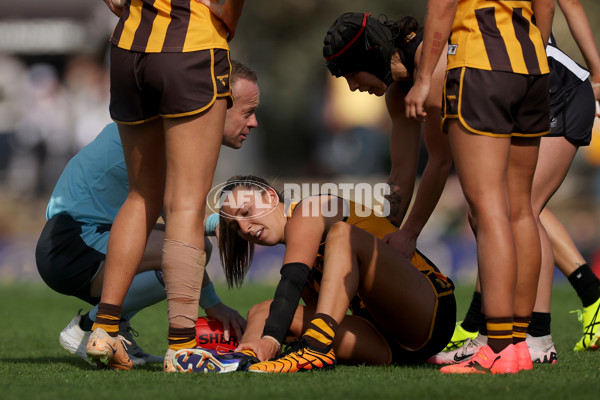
(285,302)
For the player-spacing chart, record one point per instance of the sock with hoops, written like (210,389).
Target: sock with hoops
(520,325)
(320,332)
(500,333)
(108,318)
(474,317)
(539,325)
(182,338)
(586,284)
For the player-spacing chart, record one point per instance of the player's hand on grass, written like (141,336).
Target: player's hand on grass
(264,349)
(230,318)
(229,12)
(403,242)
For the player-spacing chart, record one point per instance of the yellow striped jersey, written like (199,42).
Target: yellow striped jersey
(497,35)
(168,26)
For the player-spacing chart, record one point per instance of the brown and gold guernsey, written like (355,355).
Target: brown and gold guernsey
(380,227)
(168,26)
(497,36)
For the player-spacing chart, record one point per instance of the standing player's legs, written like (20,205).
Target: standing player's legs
(554,161)
(530,115)
(482,164)
(521,166)
(523,159)
(192,148)
(574,118)
(143,148)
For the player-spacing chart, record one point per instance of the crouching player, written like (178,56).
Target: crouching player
(71,250)
(403,311)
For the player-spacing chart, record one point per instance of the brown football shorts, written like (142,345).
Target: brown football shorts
(497,103)
(144,86)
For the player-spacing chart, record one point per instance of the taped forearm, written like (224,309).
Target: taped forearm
(285,302)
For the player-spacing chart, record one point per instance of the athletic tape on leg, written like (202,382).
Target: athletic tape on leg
(183,269)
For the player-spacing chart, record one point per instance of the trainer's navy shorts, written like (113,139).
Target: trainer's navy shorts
(144,86)
(497,103)
(65,262)
(572,115)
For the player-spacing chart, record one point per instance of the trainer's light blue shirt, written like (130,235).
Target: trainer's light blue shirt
(93,186)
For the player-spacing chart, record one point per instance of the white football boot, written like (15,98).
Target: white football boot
(461,354)
(542,349)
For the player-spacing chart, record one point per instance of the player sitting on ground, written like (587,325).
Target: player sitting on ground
(335,260)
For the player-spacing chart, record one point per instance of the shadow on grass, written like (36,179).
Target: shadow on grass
(73,361)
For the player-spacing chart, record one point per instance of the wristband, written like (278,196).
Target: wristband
(272,339)
(210,226)
(209,297)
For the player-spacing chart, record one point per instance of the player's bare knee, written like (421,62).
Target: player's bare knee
(260,310)
(519,214)
(340,231)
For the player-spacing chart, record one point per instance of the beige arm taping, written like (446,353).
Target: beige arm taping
(183,269)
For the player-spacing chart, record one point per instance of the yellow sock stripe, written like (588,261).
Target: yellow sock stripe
(318,336)
(507,336)
(521,324)
(522,335)
(108,328)
(499,326)
(175,344)
(107,322)
(107,316)
(323,326)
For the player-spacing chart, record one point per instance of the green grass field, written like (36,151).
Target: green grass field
(34,366)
